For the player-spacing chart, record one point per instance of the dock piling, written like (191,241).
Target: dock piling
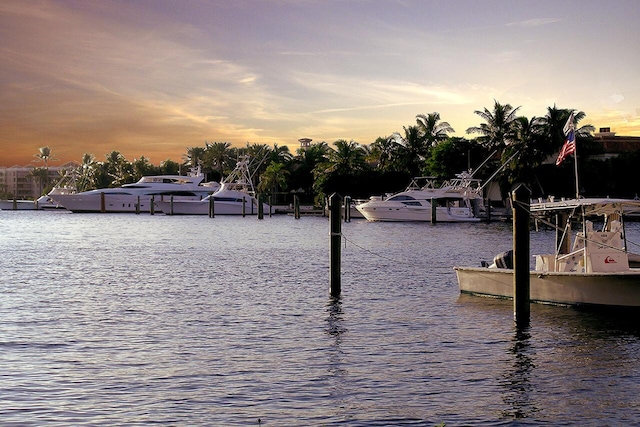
(521,280)
(335,205)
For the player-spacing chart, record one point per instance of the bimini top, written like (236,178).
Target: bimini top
(590,206)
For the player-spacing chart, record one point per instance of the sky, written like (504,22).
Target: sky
(154,77)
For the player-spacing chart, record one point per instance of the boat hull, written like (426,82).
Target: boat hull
(197,207)
(113,203)
(567,288)
(415,214)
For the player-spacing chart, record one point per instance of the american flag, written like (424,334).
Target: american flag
(569,146)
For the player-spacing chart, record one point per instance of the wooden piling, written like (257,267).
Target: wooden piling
(171,206)
(212,207)
(103,208)
(138,206)
(244,206)
(347,209)
(335,205)
(296,207)
(434,212)
(260,207)
(521,280)
(152,205)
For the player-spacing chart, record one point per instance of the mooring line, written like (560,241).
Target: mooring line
(370,251)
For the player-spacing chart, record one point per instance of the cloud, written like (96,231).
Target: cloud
(538,22)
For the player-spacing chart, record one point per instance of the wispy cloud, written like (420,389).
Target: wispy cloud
(538,22)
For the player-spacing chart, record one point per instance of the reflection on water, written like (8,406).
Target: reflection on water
(135,320)
(516,381)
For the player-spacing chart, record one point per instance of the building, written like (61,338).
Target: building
(614,145)
(20,183)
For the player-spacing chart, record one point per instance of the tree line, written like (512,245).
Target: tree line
(522,145)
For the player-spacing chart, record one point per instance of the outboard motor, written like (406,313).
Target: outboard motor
(503,260)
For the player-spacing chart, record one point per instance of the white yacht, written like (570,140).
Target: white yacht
(456,200)
(596,270)
(236,196)
(137,197)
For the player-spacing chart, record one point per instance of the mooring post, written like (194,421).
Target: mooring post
(102,204)
(260,207)
(171,206)
(335,206)
(152,206)
(347,209)
(244,206)
(488,210)
(521,280)
(212,208)
(15,204)
(434,206)
(296,207)
(138,206)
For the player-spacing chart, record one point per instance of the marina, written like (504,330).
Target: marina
(188,320)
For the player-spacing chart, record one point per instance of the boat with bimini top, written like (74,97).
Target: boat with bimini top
(236,196)
(455,200)
(595,269)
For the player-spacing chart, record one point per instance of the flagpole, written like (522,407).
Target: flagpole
(575,161)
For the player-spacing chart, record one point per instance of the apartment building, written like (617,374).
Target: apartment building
(19,181)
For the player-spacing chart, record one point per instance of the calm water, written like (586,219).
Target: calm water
(139,319)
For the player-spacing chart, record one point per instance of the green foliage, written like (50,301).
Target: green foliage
(526,147)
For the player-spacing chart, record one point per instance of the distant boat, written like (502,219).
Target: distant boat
(456,200)
(18,205)
(236,196)
(596,270)
(137,197)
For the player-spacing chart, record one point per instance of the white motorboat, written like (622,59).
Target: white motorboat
(137,197)
(456,200)
(236,196)
(596,270)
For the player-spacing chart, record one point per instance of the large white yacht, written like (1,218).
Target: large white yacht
(236,196)
(456,200)
(137,197)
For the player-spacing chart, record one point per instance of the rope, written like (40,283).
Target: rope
(370,251)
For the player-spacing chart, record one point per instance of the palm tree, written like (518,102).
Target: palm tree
(118,168)
(346,158)
(216,155)
(413,150)
(553,124)
(194,156)
(42,174)
(498,130)
(342,164)
(274,179)
(526,151)
(433,131)
(382,152)
(86,173)
(142,167)
(44,156)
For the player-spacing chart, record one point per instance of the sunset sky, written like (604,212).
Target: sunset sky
(153,77)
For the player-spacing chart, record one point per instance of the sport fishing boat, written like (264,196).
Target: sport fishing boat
(456,200)
(137,197)
(236,196)
(595,270)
